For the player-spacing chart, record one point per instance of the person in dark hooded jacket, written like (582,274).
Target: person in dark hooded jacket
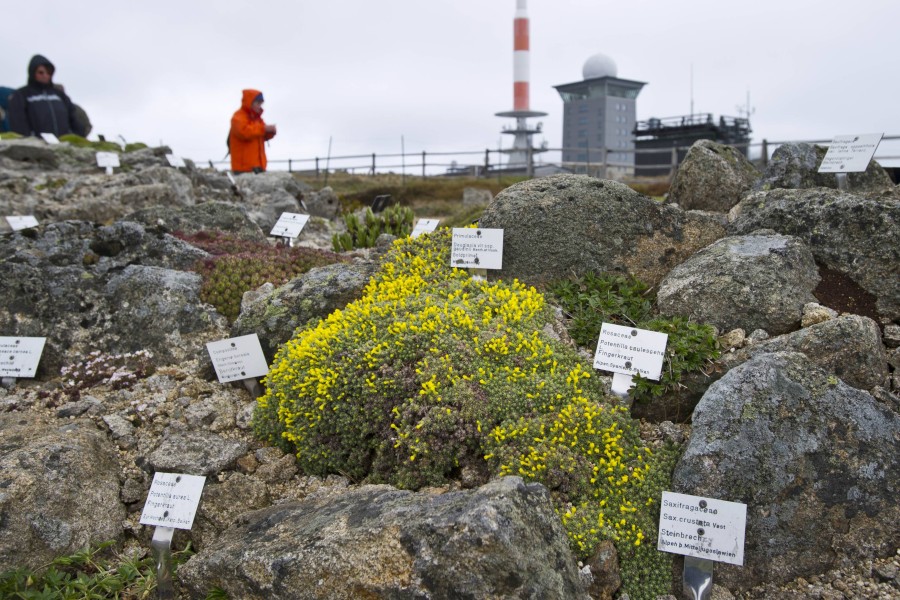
(42,107)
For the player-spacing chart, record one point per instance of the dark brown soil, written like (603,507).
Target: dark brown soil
(838,292)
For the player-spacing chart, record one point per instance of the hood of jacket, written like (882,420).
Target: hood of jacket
(247,99)
(36,61)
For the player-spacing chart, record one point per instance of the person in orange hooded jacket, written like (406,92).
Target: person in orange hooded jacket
(246,140)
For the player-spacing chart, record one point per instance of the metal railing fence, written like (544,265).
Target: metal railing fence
(602,162)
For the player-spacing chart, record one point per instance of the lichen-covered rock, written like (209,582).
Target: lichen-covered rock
(27,153)
(796,166)
(164,305)
(324,203)
(848,346)
(196,453)
(761,280)
(217,216)
(814,459)
(305,299)
(267,195)
(712,177)
(85,288)
(59,489)
(223,503)
(503,540)
(573,224)
(850,234)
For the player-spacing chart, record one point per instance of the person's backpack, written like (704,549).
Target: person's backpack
(5,93)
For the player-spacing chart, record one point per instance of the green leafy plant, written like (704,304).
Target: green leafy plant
(432,376)
(238,266)
(591,300)
(93,572)
(691,346)
(395,220)
(80,142)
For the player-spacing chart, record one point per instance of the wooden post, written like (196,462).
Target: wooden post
(487,161)
(423,163)
(373,164)
(674,165)
(290,170)
(317,167)
(765,153)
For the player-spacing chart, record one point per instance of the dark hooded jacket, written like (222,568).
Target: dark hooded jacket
(42,108)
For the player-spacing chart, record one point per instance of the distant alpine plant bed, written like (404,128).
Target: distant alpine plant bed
(433,376)
(238,266)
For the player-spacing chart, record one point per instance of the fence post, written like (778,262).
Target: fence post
(529,157)
(290,170)
(317,167)
(674,164)
(487,161)
(373,164)
(423,163)
(587,168)
(605,157)
(765,153)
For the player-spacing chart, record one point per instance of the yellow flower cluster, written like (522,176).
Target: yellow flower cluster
(430,369)
(580,439)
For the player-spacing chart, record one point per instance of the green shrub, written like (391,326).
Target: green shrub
(431,375)
(690,347)
(592,300)
(395,220)
(238,266)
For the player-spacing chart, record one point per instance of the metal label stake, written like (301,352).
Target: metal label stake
(698,577)
(842,182)
(162,552)
(253,387)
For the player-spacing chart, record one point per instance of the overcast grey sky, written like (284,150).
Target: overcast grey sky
(365,73)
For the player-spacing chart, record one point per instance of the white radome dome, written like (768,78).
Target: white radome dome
(599,65)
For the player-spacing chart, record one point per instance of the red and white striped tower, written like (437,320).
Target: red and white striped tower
(520,57)
(522,150)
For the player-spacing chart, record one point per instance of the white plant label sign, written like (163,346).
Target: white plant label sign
(424,226)
(107,159)
(19,356)
(175,161)
(850,153)
(238,358)
(289,225)
(702,527)
(50,138)
(18,223)
(630,351)
(173,500)
(477,248)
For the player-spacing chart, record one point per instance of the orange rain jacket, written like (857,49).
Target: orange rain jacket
(246,141)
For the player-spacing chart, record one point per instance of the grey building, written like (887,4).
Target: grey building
(599,116)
